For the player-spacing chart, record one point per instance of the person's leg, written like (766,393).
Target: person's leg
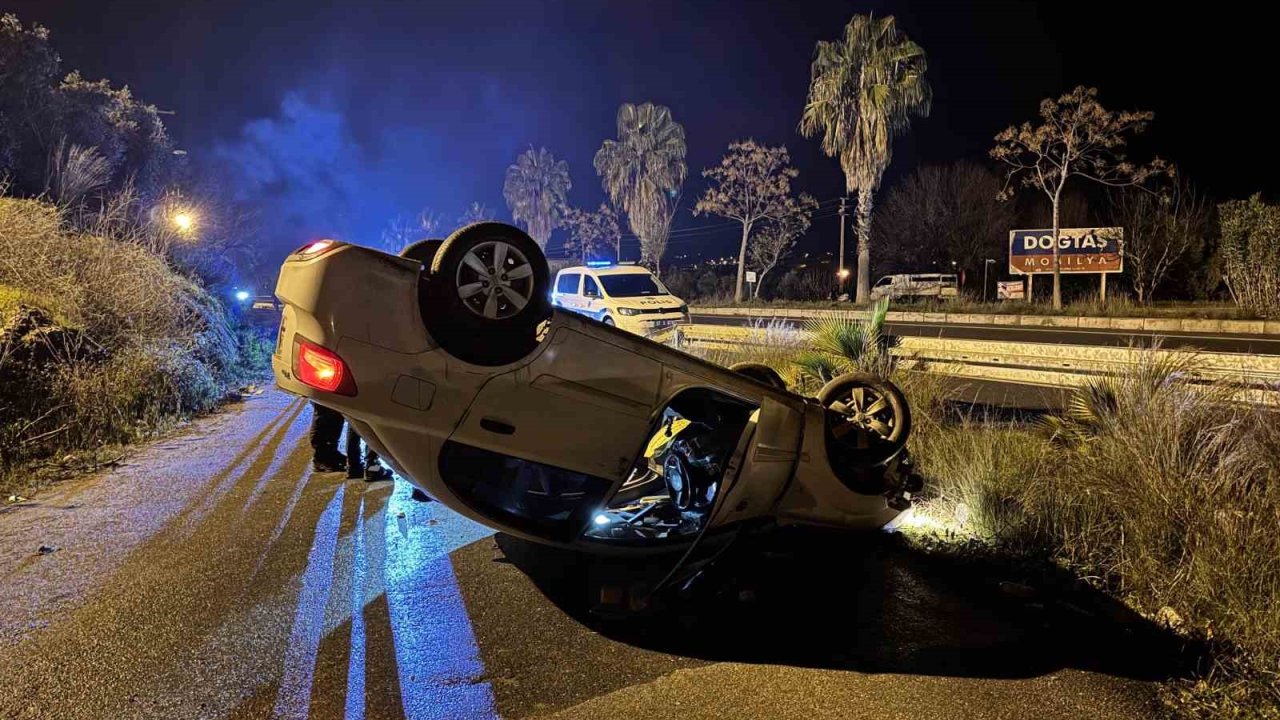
(374,469)
(355,463)
(326,425)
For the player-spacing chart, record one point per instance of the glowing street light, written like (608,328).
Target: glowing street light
(184,221)
(242,295)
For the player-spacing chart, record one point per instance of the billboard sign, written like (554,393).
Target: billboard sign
(1010,290)
(1080,250)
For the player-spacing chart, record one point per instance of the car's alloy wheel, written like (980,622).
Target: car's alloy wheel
(869,419)
(494,280)
(487,294)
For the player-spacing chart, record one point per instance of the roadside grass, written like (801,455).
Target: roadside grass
(1149,487)
(1092,306)
(102,343)
(1161,494)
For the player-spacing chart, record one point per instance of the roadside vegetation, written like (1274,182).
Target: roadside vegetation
(1157,492)
(101,343)
(112,275)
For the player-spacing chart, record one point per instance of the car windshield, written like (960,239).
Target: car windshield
(632,285)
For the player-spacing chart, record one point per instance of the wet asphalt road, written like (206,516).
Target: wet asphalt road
(215,576)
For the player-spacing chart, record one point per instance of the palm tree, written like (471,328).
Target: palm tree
(536,188)
(642,172)
(841,344)
(863,91)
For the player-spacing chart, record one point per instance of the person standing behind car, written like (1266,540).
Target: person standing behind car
(326,428)
(368,467)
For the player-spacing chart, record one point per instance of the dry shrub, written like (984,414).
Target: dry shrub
(1187,493)
(1160,489)
(137,343)
(133,393)
(118,292)
(978,474)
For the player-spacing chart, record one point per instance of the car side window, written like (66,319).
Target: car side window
(589,287)
(884,281)
(567,283)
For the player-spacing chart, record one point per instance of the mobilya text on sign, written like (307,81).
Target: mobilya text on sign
(1080,250)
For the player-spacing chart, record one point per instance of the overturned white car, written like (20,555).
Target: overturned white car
(561,429)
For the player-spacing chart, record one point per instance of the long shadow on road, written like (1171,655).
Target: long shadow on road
(867,603)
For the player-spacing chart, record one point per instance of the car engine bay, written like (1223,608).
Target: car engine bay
(673,485)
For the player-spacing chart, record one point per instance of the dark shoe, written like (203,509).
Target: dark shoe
(328,464)
(376,473)
(355,471)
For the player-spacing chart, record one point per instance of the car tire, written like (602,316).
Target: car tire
(487,294)
(871,408)
(424,251)
(608,321)
(760,373)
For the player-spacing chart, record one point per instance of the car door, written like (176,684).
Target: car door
(592,298)
(566,295)
(769,463)
(582,404)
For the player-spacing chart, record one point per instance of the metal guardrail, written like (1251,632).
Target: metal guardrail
(1184,325)
(1042,364)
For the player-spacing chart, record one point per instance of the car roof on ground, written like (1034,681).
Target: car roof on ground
(610,269)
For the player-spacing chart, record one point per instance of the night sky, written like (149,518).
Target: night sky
(337,117)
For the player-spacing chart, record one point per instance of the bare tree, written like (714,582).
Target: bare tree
(398,234)
(475,212)
(590,232)
(751,184)
(430,223)
(401,231)
(774,241)
(1160,231)
(945,213)
(1077,137)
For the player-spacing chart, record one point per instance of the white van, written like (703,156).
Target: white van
(627,296)
(934,285)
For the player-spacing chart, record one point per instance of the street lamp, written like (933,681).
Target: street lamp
(184,221)
(842,274)
(985,264)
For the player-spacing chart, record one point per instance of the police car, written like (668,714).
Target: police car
(626,296)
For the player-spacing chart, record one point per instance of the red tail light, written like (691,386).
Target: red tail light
(322,369)
(318,247)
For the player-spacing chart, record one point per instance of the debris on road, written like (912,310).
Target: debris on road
(46,549)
